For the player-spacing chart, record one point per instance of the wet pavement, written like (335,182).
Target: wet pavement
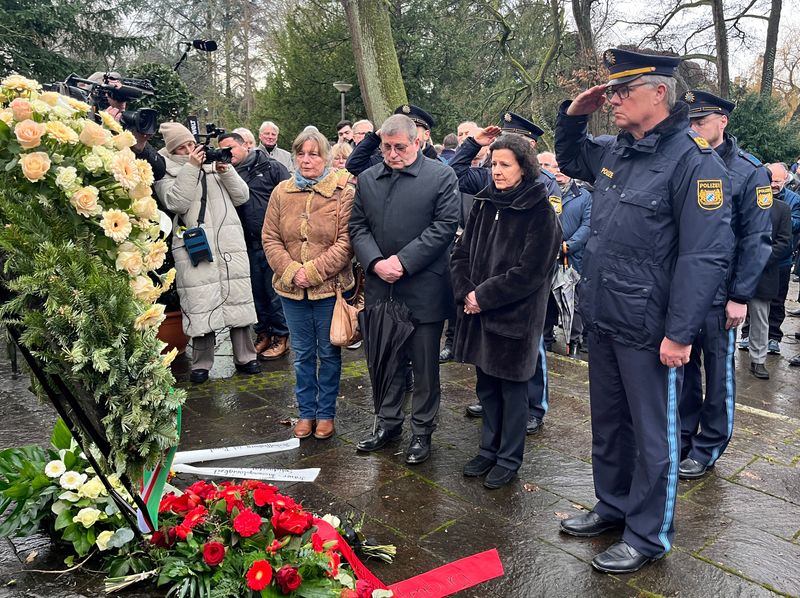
(737,530)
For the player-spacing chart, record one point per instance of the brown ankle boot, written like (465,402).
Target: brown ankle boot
(302,429)
(324,429)
(263,341)
(278,348)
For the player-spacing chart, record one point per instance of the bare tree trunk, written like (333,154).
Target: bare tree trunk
(721,39)
(768,68)
(246,65)
(375,56)
(581,12)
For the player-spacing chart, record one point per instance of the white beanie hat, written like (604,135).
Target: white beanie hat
(175,135)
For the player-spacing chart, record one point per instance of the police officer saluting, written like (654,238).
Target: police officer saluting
(659,249)
(752,227)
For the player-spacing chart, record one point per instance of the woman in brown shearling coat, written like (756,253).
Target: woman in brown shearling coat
(308,247)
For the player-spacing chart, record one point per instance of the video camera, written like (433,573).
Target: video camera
(213,154)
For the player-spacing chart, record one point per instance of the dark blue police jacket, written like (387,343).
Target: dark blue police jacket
(661,237)
(793,199)
(575,218)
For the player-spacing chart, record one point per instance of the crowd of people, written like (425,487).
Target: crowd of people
(677,236)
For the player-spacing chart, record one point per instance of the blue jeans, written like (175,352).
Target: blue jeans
(309,327)
(268,305)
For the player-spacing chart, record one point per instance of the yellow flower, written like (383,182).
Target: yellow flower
(19,84)
(145,172)
(169,357)
(78,105)
(116,224)
(140,191)
(61,132)
(40,107)
(92,489)
(103,538)
(110,122)
(71,480)
(29,133)
(7,116)
(34,165)
(93,134)
(168,279)
(67,178)
(49,97)
(129,259)
(124,140)
(151,318)
(84,200)
(87,517)
(156,254)
(21,108)
(146,207)
(143,288)
(54,469)
(123,167)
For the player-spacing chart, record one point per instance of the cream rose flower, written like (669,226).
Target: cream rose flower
(49,97)
(156,254)
(63,112)
(67,178)
(72,480)
(40,107)
(124,140)
(93,163)
(61,132)
(130,259)
(124,169)
(116,224)
(145,172)
(54,469)
(140,191)
(103,538)
(84,200)
(29,133)
(19,83)
(105,154)
(110,122)
(169,357)
(151,318)
(34,165)
(92,489)
(21,109)
(7,116)
(87,517)
(143,288)
(93,134)
(145,207)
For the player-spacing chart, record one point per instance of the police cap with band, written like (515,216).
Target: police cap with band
(702,103)
(514,123)
(417,114)
(625,66)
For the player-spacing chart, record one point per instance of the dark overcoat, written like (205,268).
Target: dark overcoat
(507,256)
(411,213)
(769,283)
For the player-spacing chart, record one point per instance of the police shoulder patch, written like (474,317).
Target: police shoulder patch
(555,201)
(709,193)
(701,142)
(750,158)
(548,174)
(764,197)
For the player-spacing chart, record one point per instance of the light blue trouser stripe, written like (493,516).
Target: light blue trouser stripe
(730,397)
(674,457)
(543,365)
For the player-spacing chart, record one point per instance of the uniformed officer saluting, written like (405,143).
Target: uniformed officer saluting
(752,227)
(659,249)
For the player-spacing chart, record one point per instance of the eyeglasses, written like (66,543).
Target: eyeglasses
(399,148)
(623,91)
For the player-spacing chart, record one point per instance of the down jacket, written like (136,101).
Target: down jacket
(214,295)
(307,228)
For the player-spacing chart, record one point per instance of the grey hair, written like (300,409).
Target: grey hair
(245,134)
(472,123)
(399,123)
(364,122)
(668,82)
(268,124)
(312,134)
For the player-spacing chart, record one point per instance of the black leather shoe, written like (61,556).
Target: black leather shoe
(588,525)
(794,362)
(475,410)
(446,354)
(419,450)
(478,466)
(251,367)
(797,335)
(759,370)
(533,426)
(573,350)
(795,313)
(198,376)
(584,348)
(620,558)
(498,477)
(689,469)
(378,440)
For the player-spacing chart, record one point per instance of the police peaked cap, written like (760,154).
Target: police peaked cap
(624,66)
(514,123)
(702,103)
(417,114)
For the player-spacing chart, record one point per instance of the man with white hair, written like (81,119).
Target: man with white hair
(247,135)
(268,134)
(361,128)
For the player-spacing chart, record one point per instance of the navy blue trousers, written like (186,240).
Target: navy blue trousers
(707,424)
(269,310)
(635,441)
(538,394)
(505,406)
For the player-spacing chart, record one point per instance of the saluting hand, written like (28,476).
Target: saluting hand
(674,355)
(487,135)
(588,101)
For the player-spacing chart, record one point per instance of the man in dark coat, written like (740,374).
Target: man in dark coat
(660,247)
(404,219)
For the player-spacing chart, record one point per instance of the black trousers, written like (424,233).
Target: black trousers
(505,414)
(777,308)
(422,349)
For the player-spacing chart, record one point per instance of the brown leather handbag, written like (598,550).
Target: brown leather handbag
(344,323)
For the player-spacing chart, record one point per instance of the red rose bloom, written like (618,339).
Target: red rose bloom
(291,522)
(288,579)
(317,544)
(247,523)
(283,502)
(203,489)
(364,589)
(213,553)
(263,496)
(158,539)
(195,517)
(259,576)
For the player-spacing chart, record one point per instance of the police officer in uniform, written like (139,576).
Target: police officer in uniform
(471,180)
(707,425)
(659,249)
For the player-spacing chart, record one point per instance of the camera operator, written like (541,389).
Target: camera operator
(115,107)
(214,289)
(144,151)
(262,174)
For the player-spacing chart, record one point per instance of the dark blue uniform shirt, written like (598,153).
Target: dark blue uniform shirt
(661,237)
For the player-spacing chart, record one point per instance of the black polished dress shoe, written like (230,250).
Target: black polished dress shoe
(446,354)
(419,450)
(759,370)
(689,469)
(795,313)
(198,376)
(574,350)
(794,362)
(251,367)
(478,466)
(498,477)
(620,558)
(475,410)
(533,426)
(588,525)
(378,440)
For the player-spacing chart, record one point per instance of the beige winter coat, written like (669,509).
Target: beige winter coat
(214,295)
(300,231)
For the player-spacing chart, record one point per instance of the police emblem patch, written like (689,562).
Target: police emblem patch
(605,171)
(555,201)
(406,109)
(709,194)
(764,197)
(689,97)
(507,117)
(609,57)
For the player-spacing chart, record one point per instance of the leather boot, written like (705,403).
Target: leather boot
(278,348)
(263,341)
